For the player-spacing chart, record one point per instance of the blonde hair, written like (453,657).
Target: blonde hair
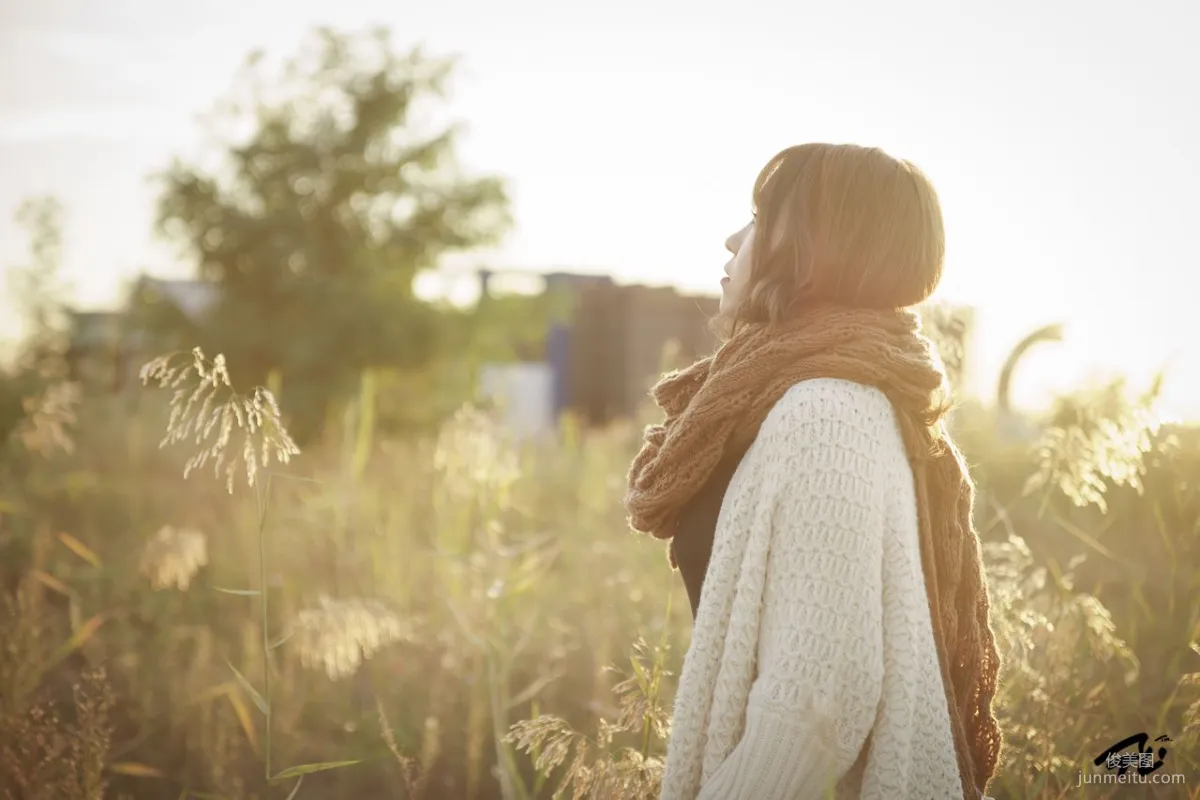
(839,224)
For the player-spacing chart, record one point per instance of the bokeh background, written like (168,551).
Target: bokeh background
(402,277)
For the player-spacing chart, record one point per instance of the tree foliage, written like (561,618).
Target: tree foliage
(36,377)
(37,287)
(332,193)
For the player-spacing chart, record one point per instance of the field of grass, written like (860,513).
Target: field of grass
(462,617)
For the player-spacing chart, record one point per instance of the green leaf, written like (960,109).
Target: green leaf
(639,672)
(77,640)
(306,769)
(250,690)
(80,549)
(241,592)
(243,716)
(135,769)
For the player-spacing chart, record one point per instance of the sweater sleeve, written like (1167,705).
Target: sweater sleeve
(824,454)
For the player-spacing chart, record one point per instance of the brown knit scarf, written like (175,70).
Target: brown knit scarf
(717,405)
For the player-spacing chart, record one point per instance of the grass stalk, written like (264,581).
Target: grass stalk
(264,608)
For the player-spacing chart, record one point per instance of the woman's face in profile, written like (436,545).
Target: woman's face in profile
(737,271)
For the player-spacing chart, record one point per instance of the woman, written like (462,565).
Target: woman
(842,644)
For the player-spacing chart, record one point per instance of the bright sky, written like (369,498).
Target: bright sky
(1062,137)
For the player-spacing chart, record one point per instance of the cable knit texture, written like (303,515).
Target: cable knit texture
(843,631)
(773,704)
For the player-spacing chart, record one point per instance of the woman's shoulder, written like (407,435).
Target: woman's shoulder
(833,405)
(827,425)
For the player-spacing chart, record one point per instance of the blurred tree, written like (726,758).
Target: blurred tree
(38,288)
(38,292)
(332,196)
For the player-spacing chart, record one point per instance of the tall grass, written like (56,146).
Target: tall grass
(468,616)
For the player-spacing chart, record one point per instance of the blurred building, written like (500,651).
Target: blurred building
(602,360)
(95,347)
(107,348)
(598,362)
(524,393)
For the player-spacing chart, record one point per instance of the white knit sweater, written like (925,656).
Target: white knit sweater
(812,670)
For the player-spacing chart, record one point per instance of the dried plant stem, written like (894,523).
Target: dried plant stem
(266,646)
(659,667)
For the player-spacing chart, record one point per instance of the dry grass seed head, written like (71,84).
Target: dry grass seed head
(337,636)
(204,403)
(173,556)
